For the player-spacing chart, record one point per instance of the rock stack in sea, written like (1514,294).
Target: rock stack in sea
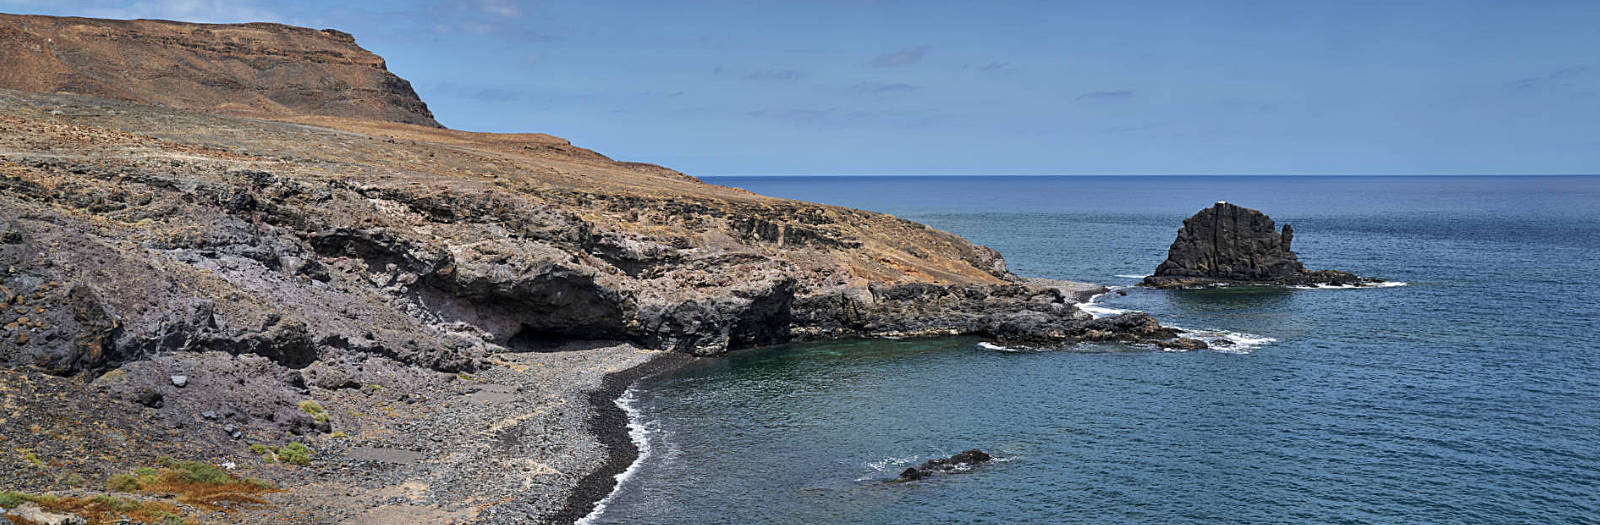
(1231,244)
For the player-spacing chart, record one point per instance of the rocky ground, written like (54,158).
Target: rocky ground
(386,319)
(507,445)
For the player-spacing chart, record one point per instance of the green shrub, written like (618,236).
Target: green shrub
(147,474)
(167,461)
(74,480)
(311,407)
(117,504)
(260,483)
(9,499)
(259,449)
(123,483)
(295,454)
(202,472)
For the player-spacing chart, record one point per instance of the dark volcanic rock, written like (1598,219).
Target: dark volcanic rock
(1227,244)
(953,463)
(1038,313)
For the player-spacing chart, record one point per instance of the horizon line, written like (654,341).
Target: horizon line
(1418,175)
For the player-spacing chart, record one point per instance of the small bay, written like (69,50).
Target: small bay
(1469,395)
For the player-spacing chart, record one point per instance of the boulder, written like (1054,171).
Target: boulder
(31,513)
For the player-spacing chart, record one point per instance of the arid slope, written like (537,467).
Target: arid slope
(269,70)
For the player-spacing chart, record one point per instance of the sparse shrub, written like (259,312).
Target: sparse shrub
(258,449)
(30,457)
(123,483)
(295,454)
(74,480)
(311,407)
(260,483)
(337,434)
(167,461)
(117,504)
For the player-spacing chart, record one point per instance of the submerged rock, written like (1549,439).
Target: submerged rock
(953,463)
(1230,244)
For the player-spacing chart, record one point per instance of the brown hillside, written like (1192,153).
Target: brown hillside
(267,70)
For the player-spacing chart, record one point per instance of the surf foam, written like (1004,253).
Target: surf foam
(1385,284)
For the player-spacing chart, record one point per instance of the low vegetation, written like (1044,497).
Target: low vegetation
(294,453)
(100,509)
(315,410)
(194,482)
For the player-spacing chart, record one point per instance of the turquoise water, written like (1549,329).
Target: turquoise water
(1470,395)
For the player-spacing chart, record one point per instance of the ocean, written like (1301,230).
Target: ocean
(1471,394)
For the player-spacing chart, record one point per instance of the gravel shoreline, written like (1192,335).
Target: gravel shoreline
(609,424)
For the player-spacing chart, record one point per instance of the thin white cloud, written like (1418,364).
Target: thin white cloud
(902,57)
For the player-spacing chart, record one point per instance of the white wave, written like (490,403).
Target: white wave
(1384,284)
(1126,276)
(991,346)
(1227,341)
(640,437)
(1094,308)
(1101,311)
(888,462)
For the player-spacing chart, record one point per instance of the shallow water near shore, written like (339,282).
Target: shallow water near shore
(1469,395)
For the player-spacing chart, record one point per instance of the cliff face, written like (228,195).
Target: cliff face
(1227,243)
(266,70)
(164,266)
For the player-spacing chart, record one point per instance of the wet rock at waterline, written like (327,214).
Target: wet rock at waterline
(961,461)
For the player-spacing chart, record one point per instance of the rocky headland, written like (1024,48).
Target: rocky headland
(1228,244)
(273,262)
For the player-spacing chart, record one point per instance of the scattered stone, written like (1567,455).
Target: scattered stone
(208,414)
(180,381)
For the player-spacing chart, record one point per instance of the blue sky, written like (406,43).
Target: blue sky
(992,87)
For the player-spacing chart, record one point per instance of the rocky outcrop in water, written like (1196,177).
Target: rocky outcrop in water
(956,463)
(1230,244)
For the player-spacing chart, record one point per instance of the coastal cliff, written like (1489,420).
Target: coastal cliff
(224,256)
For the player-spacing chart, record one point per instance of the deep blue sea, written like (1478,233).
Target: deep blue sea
(1469,395)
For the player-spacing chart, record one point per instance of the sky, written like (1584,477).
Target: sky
(861,87)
